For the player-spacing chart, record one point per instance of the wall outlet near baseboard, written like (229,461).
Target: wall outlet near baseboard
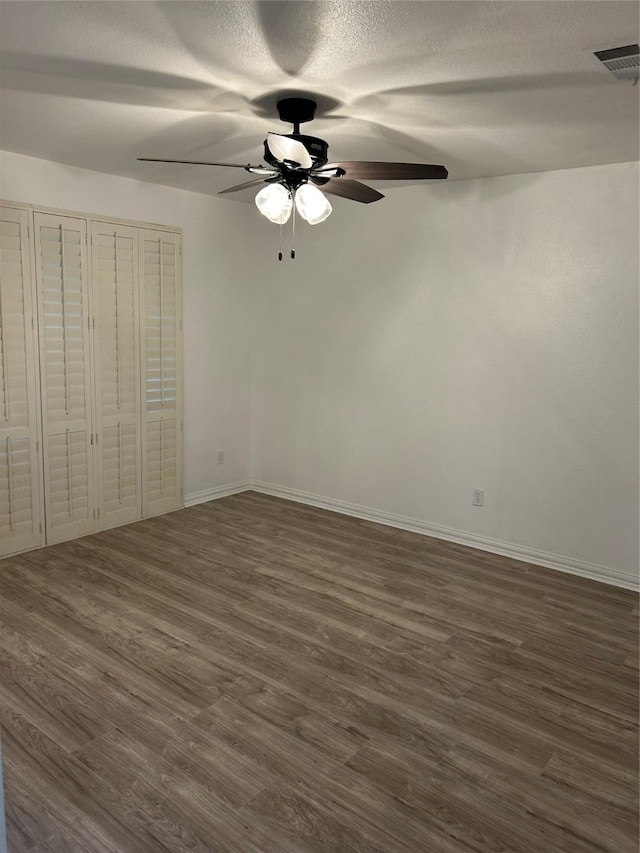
(478,497)
(220,457)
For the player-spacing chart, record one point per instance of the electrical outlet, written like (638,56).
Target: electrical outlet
(478,497)
(220,457)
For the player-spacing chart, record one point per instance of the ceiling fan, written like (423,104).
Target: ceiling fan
(298,164)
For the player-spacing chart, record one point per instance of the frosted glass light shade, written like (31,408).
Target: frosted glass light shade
(311,204)
(274,201)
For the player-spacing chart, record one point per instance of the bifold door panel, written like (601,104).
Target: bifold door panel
(114,251)
(20,490)
(162,370)
(65,370)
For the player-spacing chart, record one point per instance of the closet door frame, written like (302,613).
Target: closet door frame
(36,538)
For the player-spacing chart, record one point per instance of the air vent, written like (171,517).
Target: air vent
(622,62)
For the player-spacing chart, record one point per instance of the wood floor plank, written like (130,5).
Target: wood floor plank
(316,776)
(583,822)
(612,736)
(612,687)
(324,825)
(614,786)
(302,720)
(63,841)
(54,707)
(67,796)
(193,816)
(480,822)
(261,676)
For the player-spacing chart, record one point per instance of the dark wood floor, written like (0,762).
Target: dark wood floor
(255,675)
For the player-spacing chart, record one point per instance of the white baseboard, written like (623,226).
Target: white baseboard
(482,543)
(217,492)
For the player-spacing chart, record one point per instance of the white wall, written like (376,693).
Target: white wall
(218,274)
(475,334)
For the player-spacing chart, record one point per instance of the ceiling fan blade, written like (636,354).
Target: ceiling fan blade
(349,189)
(374,171)
(265,171)
(197,163)
(244,186)
(285,148)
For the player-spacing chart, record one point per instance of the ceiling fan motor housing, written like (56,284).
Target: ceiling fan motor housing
(296,111)
(318,149)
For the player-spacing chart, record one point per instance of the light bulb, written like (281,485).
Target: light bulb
(311,204)
(274,201)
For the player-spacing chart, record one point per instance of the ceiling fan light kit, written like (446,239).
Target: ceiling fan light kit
(311,204)
(297,164)
(274,201)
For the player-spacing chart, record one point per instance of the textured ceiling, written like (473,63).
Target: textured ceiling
(485,88)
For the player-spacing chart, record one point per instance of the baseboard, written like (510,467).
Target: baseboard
(215,493)
(482,543)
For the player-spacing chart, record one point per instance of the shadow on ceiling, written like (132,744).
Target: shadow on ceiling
(291,30)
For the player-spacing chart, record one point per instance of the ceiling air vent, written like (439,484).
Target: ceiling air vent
(622,62)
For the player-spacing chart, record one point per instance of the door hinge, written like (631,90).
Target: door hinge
(89,323)
(98,513)
(92,439)
(37,446)
(33,325)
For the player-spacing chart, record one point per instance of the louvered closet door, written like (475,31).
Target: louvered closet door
(64,316)
(20,492)
(161,371)
(114,252)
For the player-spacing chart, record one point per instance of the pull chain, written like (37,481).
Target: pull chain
(293,234)
(280,252)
